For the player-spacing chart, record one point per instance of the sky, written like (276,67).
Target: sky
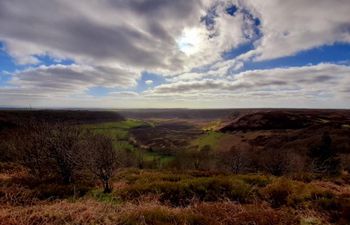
(175,54)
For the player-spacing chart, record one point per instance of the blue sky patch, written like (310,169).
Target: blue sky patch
(156,78)
(99,91)
(6,61)
(337,53)
(48,60)
(231,10)
(233,53)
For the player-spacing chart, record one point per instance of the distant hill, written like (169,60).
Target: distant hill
(283,119)
(12,118)
(201,114)
(294,130)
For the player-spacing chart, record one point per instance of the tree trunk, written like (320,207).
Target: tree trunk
(106,186)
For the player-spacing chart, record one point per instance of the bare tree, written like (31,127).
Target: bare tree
(50,149)
(65,150)
(274,161)
(31,146)
(103,159)
(236,160)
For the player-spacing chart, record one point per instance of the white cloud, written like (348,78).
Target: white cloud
(289,27)
(306,82)
(149,82)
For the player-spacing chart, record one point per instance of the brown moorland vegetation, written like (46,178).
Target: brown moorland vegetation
(66,173)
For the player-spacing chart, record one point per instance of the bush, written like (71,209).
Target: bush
(338,209)
(56,191)
(228,213)
(256,180)
(277,193)
(183,192)
(11,168)
(224,213)
(294,194)
(16,195)
(162,216)
(324,158)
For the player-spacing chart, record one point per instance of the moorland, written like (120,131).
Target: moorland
(175,166)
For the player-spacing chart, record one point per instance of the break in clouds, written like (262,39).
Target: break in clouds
(61,49)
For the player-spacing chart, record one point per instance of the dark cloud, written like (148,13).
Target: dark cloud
(160,9)
(61,29)
(72,78)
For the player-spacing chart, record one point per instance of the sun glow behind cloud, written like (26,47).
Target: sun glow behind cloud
(191,40)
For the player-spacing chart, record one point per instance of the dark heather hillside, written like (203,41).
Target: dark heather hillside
(12,118)
(272,120)
(292,130)
(197,114)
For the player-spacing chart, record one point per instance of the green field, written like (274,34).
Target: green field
(213,125)
(210,138)
(120,133)
(116,130)
(162,159)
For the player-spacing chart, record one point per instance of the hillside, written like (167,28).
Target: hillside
(291,131)
(279,120)
(12,118)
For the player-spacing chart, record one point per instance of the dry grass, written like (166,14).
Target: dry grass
(270,200)
(91,212)
(61,212)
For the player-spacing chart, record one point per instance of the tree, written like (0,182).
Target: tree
(103,159)
(50,149)
(66,150)
(31,144)
(236,160)
(275,161)
(194,158)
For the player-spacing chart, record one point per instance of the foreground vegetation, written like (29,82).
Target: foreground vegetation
(169,197)
(99,173)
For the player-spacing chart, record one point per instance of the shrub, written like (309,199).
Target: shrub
(227,213)
(256,180)
(183,192)
(12,168)
(275,161)
(310,221)
(278,192)
(16,195)
(104,197)
(294,194)
(338,209)
(324,158)
(57,191)
(162,216)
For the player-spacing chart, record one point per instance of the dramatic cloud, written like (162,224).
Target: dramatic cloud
(71,79)
(308,81)
(197,47)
